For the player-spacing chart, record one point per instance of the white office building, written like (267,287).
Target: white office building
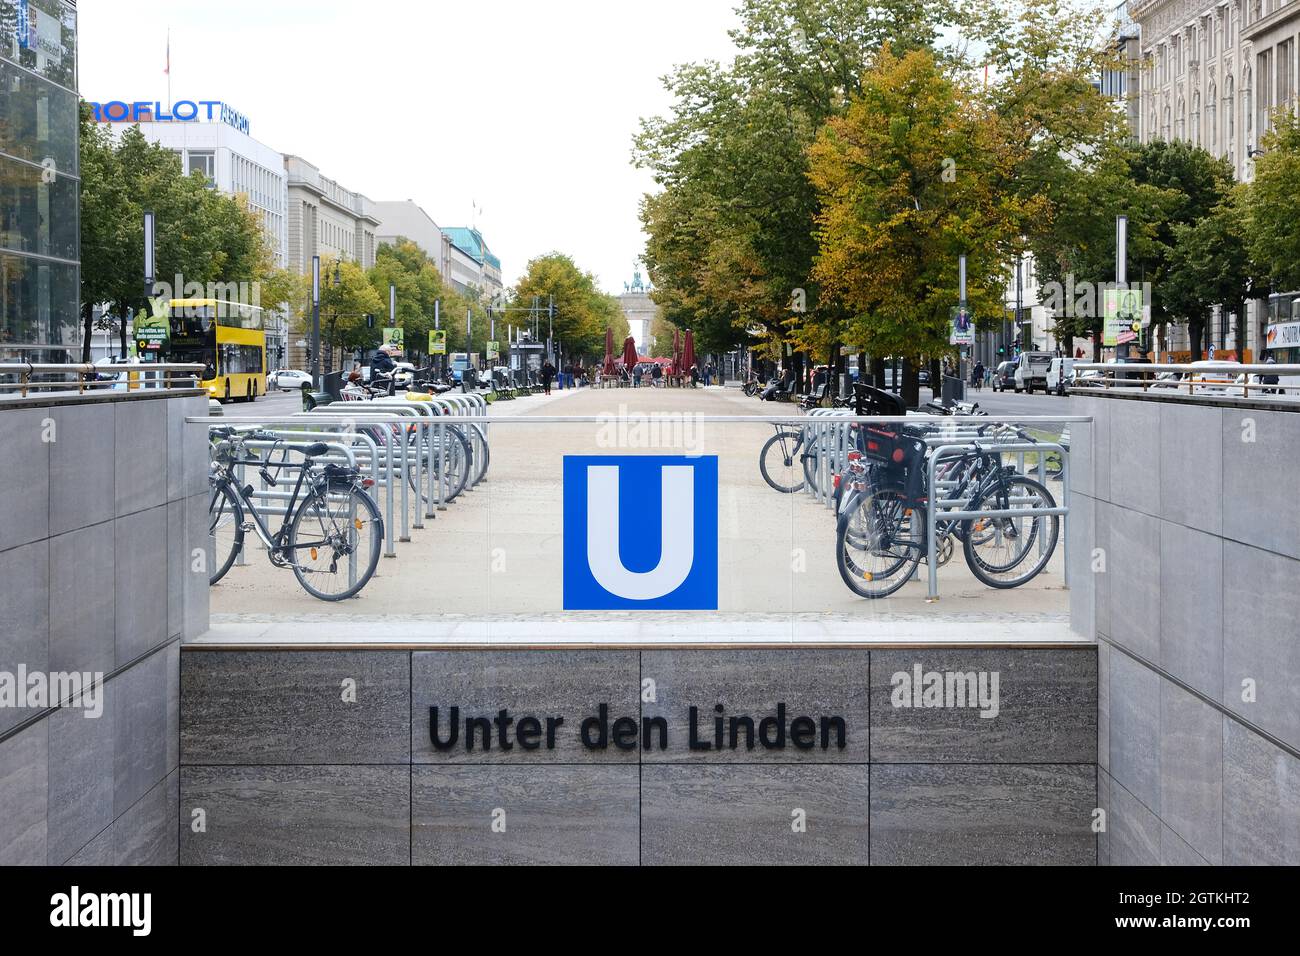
(405,219)
(325,220)
(1215,71)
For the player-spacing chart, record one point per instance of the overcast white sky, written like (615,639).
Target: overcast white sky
(527,107)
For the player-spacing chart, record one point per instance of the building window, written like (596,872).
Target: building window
(205,162)
(1211,121)
(1285,77)
(1264,97)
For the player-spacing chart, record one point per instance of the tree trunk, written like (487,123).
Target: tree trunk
(121,334)
(936,377)
(862,366)
(1194,330)
(1096,346)
(87,326)
(877,371)
(911,390)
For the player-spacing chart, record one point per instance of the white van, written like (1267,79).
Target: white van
(1031,371)
(1059,374)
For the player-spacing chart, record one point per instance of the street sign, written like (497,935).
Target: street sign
(1122,313)
(437,342)
(394,336)
(961,327)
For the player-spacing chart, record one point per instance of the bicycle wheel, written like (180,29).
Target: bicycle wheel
(779,461)
(453,460)
(482,455)
(879,541)
(225,531)
(1008,552)
(334,543)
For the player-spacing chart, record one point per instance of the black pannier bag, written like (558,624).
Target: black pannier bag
(901,458)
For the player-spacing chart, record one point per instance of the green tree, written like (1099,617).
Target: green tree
(582,311)
(1210,263)
(892,224)
(730,233)
(1272,204)
(346,298)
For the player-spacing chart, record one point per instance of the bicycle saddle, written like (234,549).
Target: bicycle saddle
(316,449)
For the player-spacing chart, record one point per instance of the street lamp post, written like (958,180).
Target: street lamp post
(315,322)
(148,269)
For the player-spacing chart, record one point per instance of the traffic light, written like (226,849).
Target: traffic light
(1002,350)
(370,320)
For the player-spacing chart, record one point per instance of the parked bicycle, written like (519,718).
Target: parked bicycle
(882,527)
(331,533)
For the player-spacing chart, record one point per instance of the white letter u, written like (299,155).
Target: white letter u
(677,534)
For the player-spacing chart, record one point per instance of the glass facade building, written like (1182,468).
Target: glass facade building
(39,181)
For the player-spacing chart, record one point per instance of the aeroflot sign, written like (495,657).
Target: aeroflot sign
(182,111)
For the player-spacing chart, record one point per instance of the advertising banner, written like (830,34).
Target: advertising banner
(961,328)
(1122,316)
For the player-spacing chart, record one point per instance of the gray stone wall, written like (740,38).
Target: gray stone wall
(278,765)
(103,500)
(1196,610)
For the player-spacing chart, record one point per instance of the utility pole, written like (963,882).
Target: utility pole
(1121,274)
(315,322)
(470,371)
(148,272)
(961,308)
(1024,344)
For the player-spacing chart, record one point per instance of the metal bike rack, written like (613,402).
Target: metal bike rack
(956,510)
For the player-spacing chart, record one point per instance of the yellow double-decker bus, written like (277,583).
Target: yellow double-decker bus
(227,338)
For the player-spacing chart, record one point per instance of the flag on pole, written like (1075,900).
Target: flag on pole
(168,69)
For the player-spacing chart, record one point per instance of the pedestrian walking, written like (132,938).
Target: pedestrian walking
(548,373)
(657,374)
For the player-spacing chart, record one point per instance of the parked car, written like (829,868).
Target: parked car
(1004,376)
(288,379)
(1031,371)
(1059,374)
(1208,378)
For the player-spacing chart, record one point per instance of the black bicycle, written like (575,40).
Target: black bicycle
(882,531)
(332,532)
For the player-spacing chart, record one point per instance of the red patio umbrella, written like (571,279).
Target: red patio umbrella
(609,352)
(629,353)
(677,353)
(688,352)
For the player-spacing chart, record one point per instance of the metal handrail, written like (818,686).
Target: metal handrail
(88,374)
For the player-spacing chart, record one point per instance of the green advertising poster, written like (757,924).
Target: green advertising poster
(493,350)
(394,336)
(437,342)
(151,332)
(1122,316)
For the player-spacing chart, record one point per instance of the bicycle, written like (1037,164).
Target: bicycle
(881,531)
(778,457)
(332,532)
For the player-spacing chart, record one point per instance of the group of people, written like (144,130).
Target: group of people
(575,375)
